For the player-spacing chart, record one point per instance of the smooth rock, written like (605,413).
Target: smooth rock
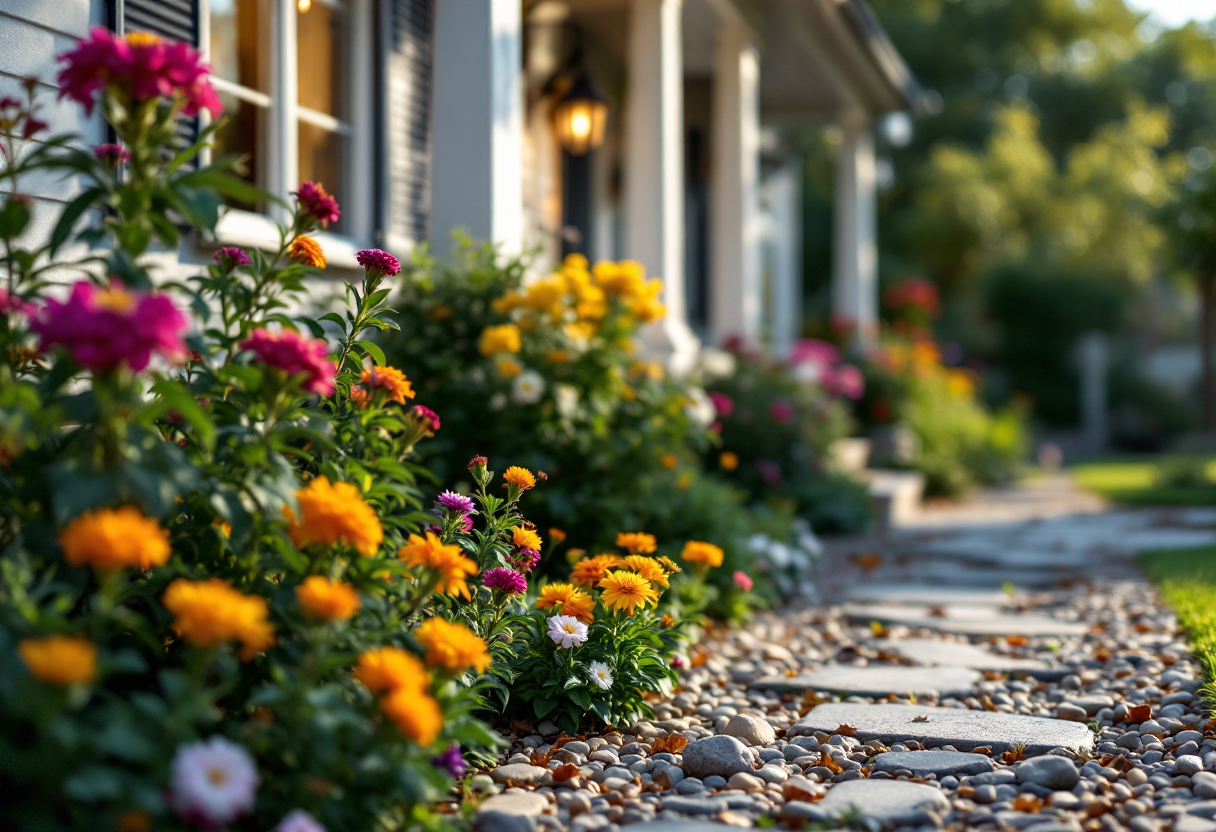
(1049,771)
(744,782)
(519,773)
(720,755)
(695,805)
(1188,764)
(1071,712)
(680,826)
(520,804)
(938,653)
(1190,823)
(968,621)
(751,729)
(878,680)
(886,801)
(940,763)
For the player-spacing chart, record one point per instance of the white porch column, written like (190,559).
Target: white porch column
(477,122)
(735,303)
(784,191)
(654,167)
(855,266)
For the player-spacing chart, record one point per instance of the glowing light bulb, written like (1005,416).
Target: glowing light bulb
(580,124)
(303,5)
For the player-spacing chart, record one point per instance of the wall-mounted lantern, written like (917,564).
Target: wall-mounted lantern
(580,116)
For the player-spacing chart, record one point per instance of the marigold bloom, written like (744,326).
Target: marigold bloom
(521,478)
(568,600)
(636,542)
(729,460)
(627,591)
(316,203)
(211,612)
(375,260)
(699,552)
(508,580)
(648,568)
(590,571)
(389,379)
(525,538)
(113,539)
(295,355)
(59,660)
(328,600)
(454,647)
(446,559)
(391,668)
(104,328)
(332,512)
(500,338)
(308,251)
(417,715)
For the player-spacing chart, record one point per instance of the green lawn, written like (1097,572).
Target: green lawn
(1134,481)
(1186,579)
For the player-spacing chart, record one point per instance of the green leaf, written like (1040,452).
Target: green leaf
(543,707)
(373,351)
(334,317)
(67,220)
(177,398)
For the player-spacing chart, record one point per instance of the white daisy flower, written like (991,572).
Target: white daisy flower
(213,781)
(567,631)
(699,409)
(601,675)
(297,820)
(527,388)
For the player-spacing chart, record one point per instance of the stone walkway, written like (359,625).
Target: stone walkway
(998,666)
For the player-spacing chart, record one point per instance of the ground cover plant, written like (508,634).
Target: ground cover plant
(1186,579)
(1151,480)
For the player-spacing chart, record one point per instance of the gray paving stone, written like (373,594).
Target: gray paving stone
(680,826)
(930,651)
(878,680)
(961,728)
(941,763)
(922,594)
(968,621)
(886,801)
(696,804)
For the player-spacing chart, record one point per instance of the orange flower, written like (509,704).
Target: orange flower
(454,647)
(333,512)
(590,571)
(670,461)
(114,538)
(445,559)
(211,612)
(636,542)
(627,591)
(729,460)
(568,600)
(557,536)
(308,251)
(525,538)
(391,380)
(416,714)
(699,552)
(647,568)
(667,563)
(521,478)
(328,600)
(391,668)
(59,660)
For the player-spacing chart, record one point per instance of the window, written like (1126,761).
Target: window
(264,54)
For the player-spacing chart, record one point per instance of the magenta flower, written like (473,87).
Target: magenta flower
(139,65)
(742,580)
(508,580)
(847,381)
(781,411)
(526,559)
(103,328)
(425,417)
(452,501)
(769,471)
(230,257)
(112,154)
(723,403)
(13,303)
(466,524)
(318,204)
(375,260)
(817,352)
(296,355)
(451,761)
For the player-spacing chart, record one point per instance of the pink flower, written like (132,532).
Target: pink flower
(103,328)
(723,403)
(847,381)
(769,471)
(296,355)
(508,580)
(451,501)
(13,303)
(526,559)
(781,411)
(318,204)
(678,662)
(425,417)
(375,260)
(230,257)
(742,581)
(140,65)
(817,352)
(112,154)
(297,820)
(213,782)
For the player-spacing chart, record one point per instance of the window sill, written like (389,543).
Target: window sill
(250,230)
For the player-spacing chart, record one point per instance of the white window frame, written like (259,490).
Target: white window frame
(247,228)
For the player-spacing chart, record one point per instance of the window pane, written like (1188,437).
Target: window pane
(240,38)
(321,60)
(244,135)
(321,155)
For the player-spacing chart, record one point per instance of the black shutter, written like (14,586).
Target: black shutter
(409,118)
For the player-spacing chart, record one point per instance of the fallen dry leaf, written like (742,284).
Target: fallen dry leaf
(1138,713)
(1027,803)
(878,630)
(982,749)
(937,612)
(829,762)
(564,772)
(920,719)
(845,731)
(1016,641)
(987,703)
(867,560)
(672,744)
(1013,755)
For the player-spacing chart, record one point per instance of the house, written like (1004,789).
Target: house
(424,116)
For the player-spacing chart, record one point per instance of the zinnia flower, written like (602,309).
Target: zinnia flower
(500,338)
(389,379)
(590,571)
(375,260)
(104,328)
(212,782)
(113,539)
(425,418)
(454,647)
(742,580)
(723,404)
(328,600)
(636,542)
(627,591)
(646,567)
(308,251)
(601,675)
(59,660)
(332,512)
(391,668)
(211,612)
(451,501)
(521,478)
(567,631)
(229,257)
(525,538)
(508,580)
(297,820)
(526,559)
(295,355)
(318,204)
(417,715)
(452,761)
(699,552)
(112,154)
(781,411)
(446,560)
(567,599)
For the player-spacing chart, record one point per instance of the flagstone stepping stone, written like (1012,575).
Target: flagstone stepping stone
(886,801)
(961,728)
(926,595)
(938,653)
(970,621)
(680,826)
(878,680)
(940,763)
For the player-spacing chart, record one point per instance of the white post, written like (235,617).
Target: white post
(654,162)
(477,122)
(855,258)
(285,129)
(784,189)
(736,304)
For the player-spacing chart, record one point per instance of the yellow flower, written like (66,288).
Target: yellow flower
(211,612)
(329,600)
(446,559)
(308,251)
(59,660)
(575,261)
(960,383)
(684,481)
(623,279)
(647,307)
(558,356)
(590,571)
(114,538)
(391,668)
(667,563)
(626,591)
(501,338)
(707,554)
(729,460)
(508,367)
(333,512)
(647,568)
(579,332)
(525,538)
(636,542)
(392,380)
(521,478)
(569,600)
(416,714)
(454,647)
